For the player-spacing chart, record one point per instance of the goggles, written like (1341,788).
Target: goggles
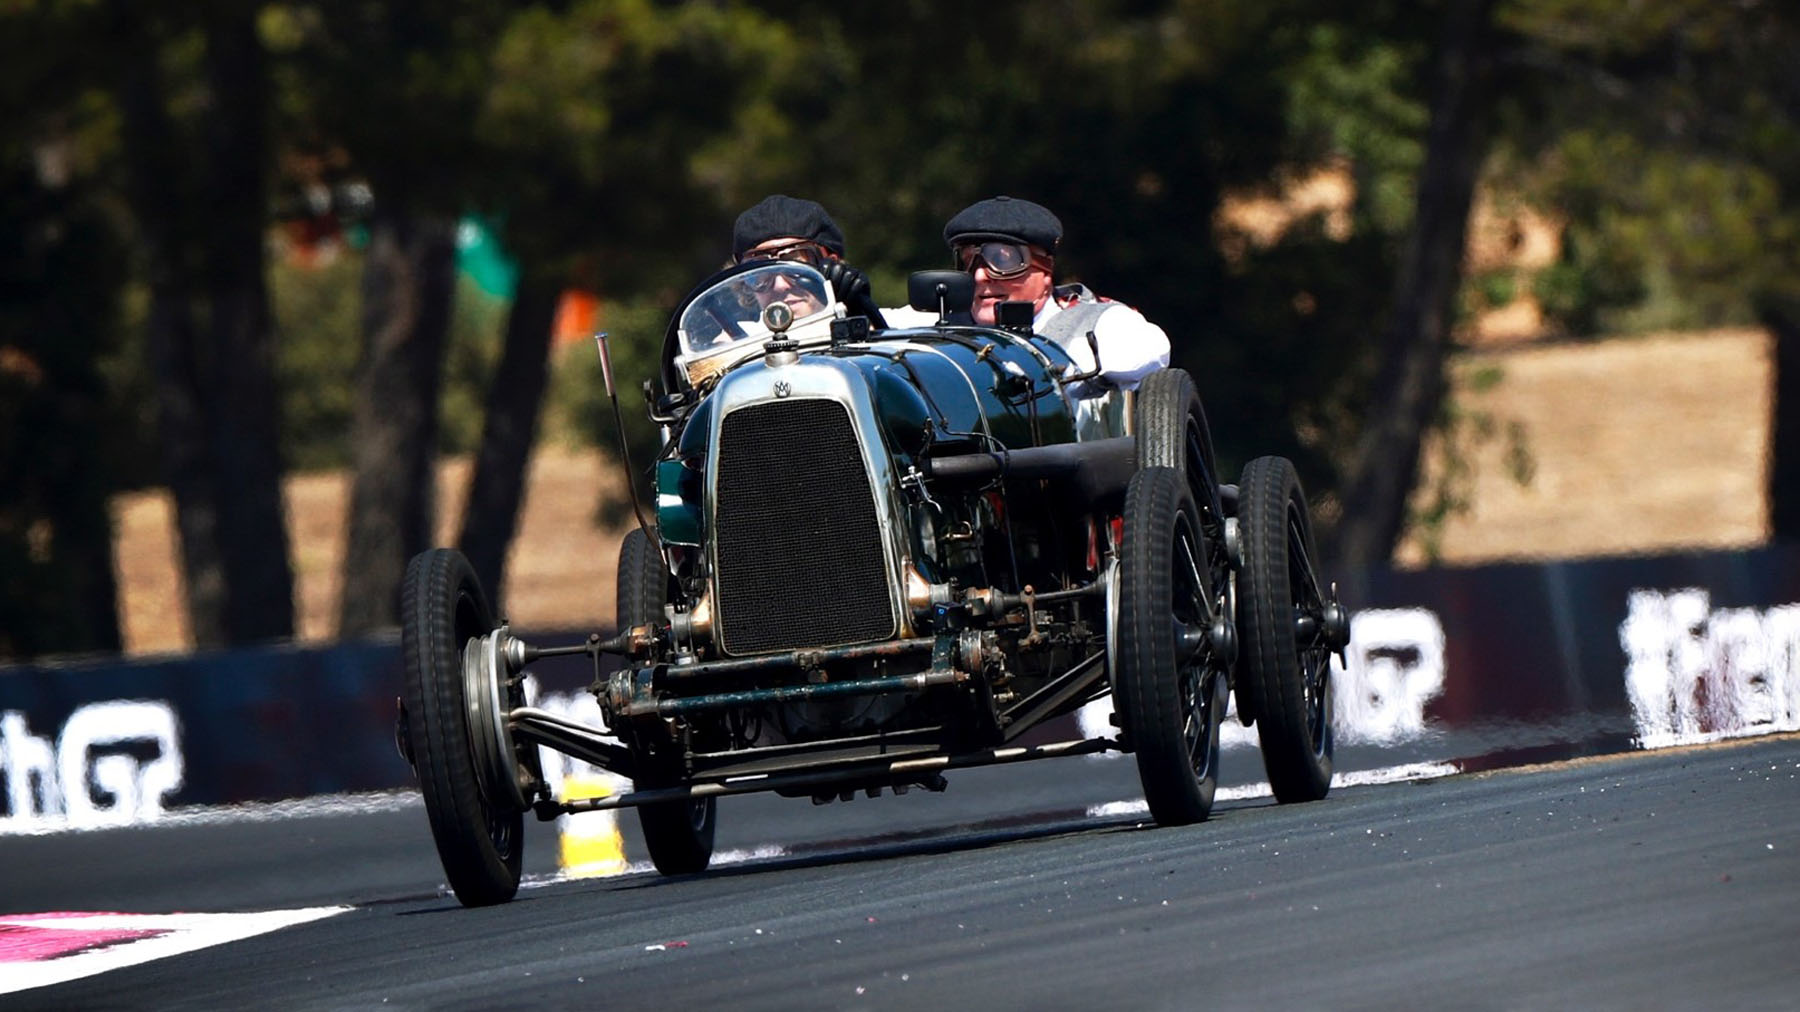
(802,252)
(1004,260)
(763,282)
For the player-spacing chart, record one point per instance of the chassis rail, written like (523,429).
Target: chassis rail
(641,704)
(897,771)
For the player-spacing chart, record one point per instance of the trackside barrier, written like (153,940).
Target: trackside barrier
(1598,655)
(94,742)
(1487,665)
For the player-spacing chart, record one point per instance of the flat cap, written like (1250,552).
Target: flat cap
(780,215)
(1005,218)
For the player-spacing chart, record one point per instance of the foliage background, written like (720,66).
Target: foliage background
(609,143)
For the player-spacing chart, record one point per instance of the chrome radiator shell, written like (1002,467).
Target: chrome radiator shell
(800,505)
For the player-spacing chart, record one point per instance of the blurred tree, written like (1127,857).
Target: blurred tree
(579,130)
(317,310)
(609,142)
(509,430)
(1408,391)
(60,265)
(608,125)
(1700,102)
(1692,96)
(1290,345)
(409,277)
(191,84)
(316,313)
(1132,121)
(395,87)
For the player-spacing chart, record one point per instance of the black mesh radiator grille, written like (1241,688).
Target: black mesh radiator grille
(799,549)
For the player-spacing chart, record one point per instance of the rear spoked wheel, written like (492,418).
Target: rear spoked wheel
(452,701)
(1170,688)
(1172,432)
(678,834)
(1290,627)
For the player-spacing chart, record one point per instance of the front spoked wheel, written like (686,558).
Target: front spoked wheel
(1289,628)
(1170,687)
(678,834)
(476,816)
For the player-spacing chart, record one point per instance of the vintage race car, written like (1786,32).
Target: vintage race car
(877,555)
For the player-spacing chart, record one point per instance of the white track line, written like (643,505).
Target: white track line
(1385,775)
(321,806)
(377,802)
(177,933)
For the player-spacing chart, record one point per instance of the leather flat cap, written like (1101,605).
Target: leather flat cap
(1007,218)
(780,215)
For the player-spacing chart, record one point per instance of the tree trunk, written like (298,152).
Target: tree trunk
(181,428)
(209,342)
(57,592)
(1409,386)
(408,281)
(509,428)
(153,155)
(1782,317)
(82,538)
(243,425)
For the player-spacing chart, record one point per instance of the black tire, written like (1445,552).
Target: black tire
(480,840)
(1291,680)
(678,834)
(1172,431)
(1170,697)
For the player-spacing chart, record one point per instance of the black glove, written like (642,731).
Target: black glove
(852,288)
(848,282)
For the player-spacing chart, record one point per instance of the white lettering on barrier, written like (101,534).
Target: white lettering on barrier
(1694,674)
(30,769)
(1395,666)
(94,775)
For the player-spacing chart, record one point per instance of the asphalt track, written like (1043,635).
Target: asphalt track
(1648,880)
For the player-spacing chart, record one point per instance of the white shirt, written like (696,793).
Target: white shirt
(1131,347)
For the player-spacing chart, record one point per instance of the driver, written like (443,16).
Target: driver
(780,227)
(783,286)
(1010,246)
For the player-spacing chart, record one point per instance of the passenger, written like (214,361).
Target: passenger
(1010,246)
(780,227)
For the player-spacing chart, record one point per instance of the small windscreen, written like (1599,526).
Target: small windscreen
(731,311)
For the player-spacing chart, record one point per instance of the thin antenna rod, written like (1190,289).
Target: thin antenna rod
(606,372)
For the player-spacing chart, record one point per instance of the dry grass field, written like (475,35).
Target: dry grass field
(1639,445)
(560,568)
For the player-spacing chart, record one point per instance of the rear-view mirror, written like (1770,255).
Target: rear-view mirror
(942,292)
